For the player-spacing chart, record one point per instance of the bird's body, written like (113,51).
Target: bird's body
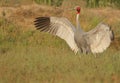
(81,41)
(95,41)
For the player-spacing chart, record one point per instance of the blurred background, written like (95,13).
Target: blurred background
(89,3)
(30,56)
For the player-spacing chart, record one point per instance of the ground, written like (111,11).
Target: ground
(29,56)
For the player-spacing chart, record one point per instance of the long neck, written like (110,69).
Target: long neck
(78,23)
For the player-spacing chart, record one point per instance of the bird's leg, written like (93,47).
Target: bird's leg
(84,51)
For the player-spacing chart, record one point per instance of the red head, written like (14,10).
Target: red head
(78,9)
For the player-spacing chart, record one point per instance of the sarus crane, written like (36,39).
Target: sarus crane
(94,41)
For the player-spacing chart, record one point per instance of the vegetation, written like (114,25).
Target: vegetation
(19,2)
(29,56)
(90,3)
(103,3)
(50,2)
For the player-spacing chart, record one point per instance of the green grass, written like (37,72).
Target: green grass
(35,57)
(21,2)
(36,63)
(42,63)
(103,3)
(29,56)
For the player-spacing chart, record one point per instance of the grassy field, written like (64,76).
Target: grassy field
(29,56)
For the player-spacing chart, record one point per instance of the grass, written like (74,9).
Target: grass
(103,3)
(21,2)
(29,56)
(45,64)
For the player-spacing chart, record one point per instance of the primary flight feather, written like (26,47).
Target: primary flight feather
(95,41)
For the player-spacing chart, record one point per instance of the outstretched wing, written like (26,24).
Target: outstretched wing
(100,38)
(58,26)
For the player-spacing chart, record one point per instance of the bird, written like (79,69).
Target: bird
(94,41)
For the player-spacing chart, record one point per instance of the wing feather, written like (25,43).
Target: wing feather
(100,38)
(60,27)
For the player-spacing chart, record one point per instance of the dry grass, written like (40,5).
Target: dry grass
(28,56)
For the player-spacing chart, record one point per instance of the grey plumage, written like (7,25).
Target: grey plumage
(60,27)
(95,40)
